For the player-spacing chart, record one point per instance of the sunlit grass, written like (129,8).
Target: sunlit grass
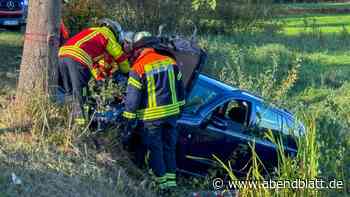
(327,23)
(317,5)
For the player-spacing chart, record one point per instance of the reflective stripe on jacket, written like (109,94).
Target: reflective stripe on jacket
(155,89)
(90,46)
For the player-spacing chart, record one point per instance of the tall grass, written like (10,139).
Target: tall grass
(269,84)
(53,158)
(323,153)
(304,166)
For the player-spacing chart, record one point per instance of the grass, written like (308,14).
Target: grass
(325,58)
(326,23)
(323,81)
(317,5)
(10,47)
(305,166)
(306,20)
(52,158)
(46,171)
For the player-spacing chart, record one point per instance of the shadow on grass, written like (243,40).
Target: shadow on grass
(38,177)
(11,43)
(42,182)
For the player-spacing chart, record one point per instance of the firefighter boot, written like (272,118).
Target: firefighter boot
(77,114)
(170,180)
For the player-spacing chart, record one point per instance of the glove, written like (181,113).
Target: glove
(126,133)
(119,77)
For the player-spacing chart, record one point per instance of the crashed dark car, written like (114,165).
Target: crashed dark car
(223,121)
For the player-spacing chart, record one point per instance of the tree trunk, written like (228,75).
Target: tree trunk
(40,51)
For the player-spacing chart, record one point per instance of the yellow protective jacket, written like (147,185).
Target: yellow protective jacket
(155,90)
(92,45)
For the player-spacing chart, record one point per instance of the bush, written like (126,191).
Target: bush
(331,109)
(79,14)
(273,82)
(179,15)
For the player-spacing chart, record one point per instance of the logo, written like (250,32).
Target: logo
(10,5)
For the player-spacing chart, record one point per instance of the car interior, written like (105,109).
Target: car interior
(236,111)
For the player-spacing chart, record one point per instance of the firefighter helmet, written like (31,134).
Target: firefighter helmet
(129,36)
(128,41)
(139,35)
(115,27)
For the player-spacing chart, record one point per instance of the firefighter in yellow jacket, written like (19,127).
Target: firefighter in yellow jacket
(154,97)
(80,56)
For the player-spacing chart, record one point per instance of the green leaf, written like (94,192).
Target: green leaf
(196,4)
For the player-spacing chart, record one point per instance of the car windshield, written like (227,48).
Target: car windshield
(199,96)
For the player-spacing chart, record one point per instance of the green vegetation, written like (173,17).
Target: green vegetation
(307,23)
(316,5)
(327,18)
(325,59)
(52,158)
(304,166)
(10,47)
(266,63)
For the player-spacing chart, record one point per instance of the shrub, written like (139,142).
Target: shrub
(79,14)
(270,83)
(218,16)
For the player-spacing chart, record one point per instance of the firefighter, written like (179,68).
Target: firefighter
(79,60)
(154,97)
(64,32)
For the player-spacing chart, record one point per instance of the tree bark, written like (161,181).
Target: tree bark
(39,59)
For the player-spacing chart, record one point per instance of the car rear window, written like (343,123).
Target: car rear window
(199,96)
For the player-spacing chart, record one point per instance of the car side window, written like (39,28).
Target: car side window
(238,111)
(199,96)
(268,119)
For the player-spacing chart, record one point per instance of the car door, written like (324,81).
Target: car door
(200,145)
(218,135)
(190,122)
(267,119)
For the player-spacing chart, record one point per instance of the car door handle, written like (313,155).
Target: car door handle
(189,136)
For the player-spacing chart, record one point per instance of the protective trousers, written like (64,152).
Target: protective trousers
(73,77)
(160,138)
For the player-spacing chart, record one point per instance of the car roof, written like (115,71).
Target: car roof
(213,82)
(229,90)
